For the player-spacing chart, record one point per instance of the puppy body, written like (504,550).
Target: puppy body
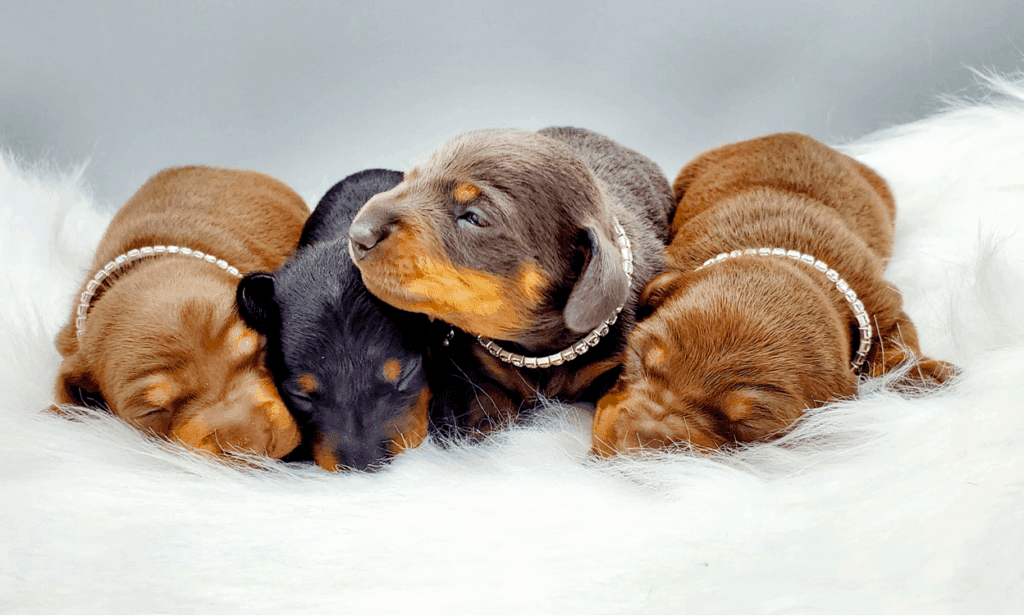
(511,235)
(348,365)
(738,350)
(163,346)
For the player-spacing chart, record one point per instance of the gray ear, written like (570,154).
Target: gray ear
(601,287)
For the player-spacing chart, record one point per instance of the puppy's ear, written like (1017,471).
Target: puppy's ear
(659,289)
(76,384)
(256,303)
(756,413)
(75,381)
(601,288)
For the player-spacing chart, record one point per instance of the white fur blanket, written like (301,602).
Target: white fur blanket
(876,505)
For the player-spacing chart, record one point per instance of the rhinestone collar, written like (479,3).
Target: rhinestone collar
(122,261)
(863,319)
(590,340)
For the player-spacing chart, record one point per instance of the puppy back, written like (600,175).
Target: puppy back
(247,218)
(793,163)
(633,180)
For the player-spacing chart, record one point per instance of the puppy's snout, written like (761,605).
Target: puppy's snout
(371,227)
(333,451)
(363,237)
(253,420)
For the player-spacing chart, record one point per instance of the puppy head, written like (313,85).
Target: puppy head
(731,354)
(165,350)
(348,365)
(503,233)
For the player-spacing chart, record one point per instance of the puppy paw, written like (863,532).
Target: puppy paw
(924,372)
(928,372)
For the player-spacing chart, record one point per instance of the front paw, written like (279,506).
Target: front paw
(923,373)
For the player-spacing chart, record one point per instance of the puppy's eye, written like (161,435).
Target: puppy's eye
(470,218)
(300,400)
(152,412)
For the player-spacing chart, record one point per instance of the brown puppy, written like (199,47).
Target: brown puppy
(737,348)
(159,342)
(513,236)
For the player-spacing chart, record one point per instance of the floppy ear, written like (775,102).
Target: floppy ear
(601,287)
(76,385)
(256,304)
(756,413)
(659,289)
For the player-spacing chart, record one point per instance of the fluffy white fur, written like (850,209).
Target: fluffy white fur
(880,504)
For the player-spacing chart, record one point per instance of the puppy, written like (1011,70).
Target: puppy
(349,366)
(534,245)
(772,301)
(155,337)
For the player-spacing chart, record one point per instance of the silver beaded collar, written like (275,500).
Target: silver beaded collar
(863,320)
(590,340)
(122,261)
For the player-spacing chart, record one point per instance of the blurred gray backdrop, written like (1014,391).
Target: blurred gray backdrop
(312,91)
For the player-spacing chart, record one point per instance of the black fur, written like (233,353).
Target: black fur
(320,320)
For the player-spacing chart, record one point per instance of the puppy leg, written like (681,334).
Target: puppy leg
(491,410)
(899,345)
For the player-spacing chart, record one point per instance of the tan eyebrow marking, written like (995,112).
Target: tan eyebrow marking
(242,340)
(466,192)
(160,392)
(392,370)
(307,382)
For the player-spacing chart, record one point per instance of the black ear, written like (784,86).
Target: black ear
(601,288)
(256,303)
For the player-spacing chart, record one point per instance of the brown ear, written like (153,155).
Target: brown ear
(72,373)
(657,290)
(757,413)
(75,382)
(601,288)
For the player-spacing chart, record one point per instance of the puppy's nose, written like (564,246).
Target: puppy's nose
(363,237)
(334,451)
(374,222)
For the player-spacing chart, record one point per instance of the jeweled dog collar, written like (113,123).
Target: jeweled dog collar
(863,320)
(590,340)
(122,261)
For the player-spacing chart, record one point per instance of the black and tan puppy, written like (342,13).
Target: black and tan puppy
(348,365)
(537,243)
(773,301)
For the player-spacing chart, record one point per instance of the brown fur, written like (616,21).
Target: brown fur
(539,272)
(737,351)
(163,345)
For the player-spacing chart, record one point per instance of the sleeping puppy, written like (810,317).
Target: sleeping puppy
(772,302)
(155,337)
(536,244)
(349,366)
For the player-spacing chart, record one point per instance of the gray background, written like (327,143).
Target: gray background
(312,91)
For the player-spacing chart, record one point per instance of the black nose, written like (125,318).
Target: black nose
(363,456)
(363,237)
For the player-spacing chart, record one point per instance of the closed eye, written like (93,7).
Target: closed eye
(411,379)
(151,412)
(300,400)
